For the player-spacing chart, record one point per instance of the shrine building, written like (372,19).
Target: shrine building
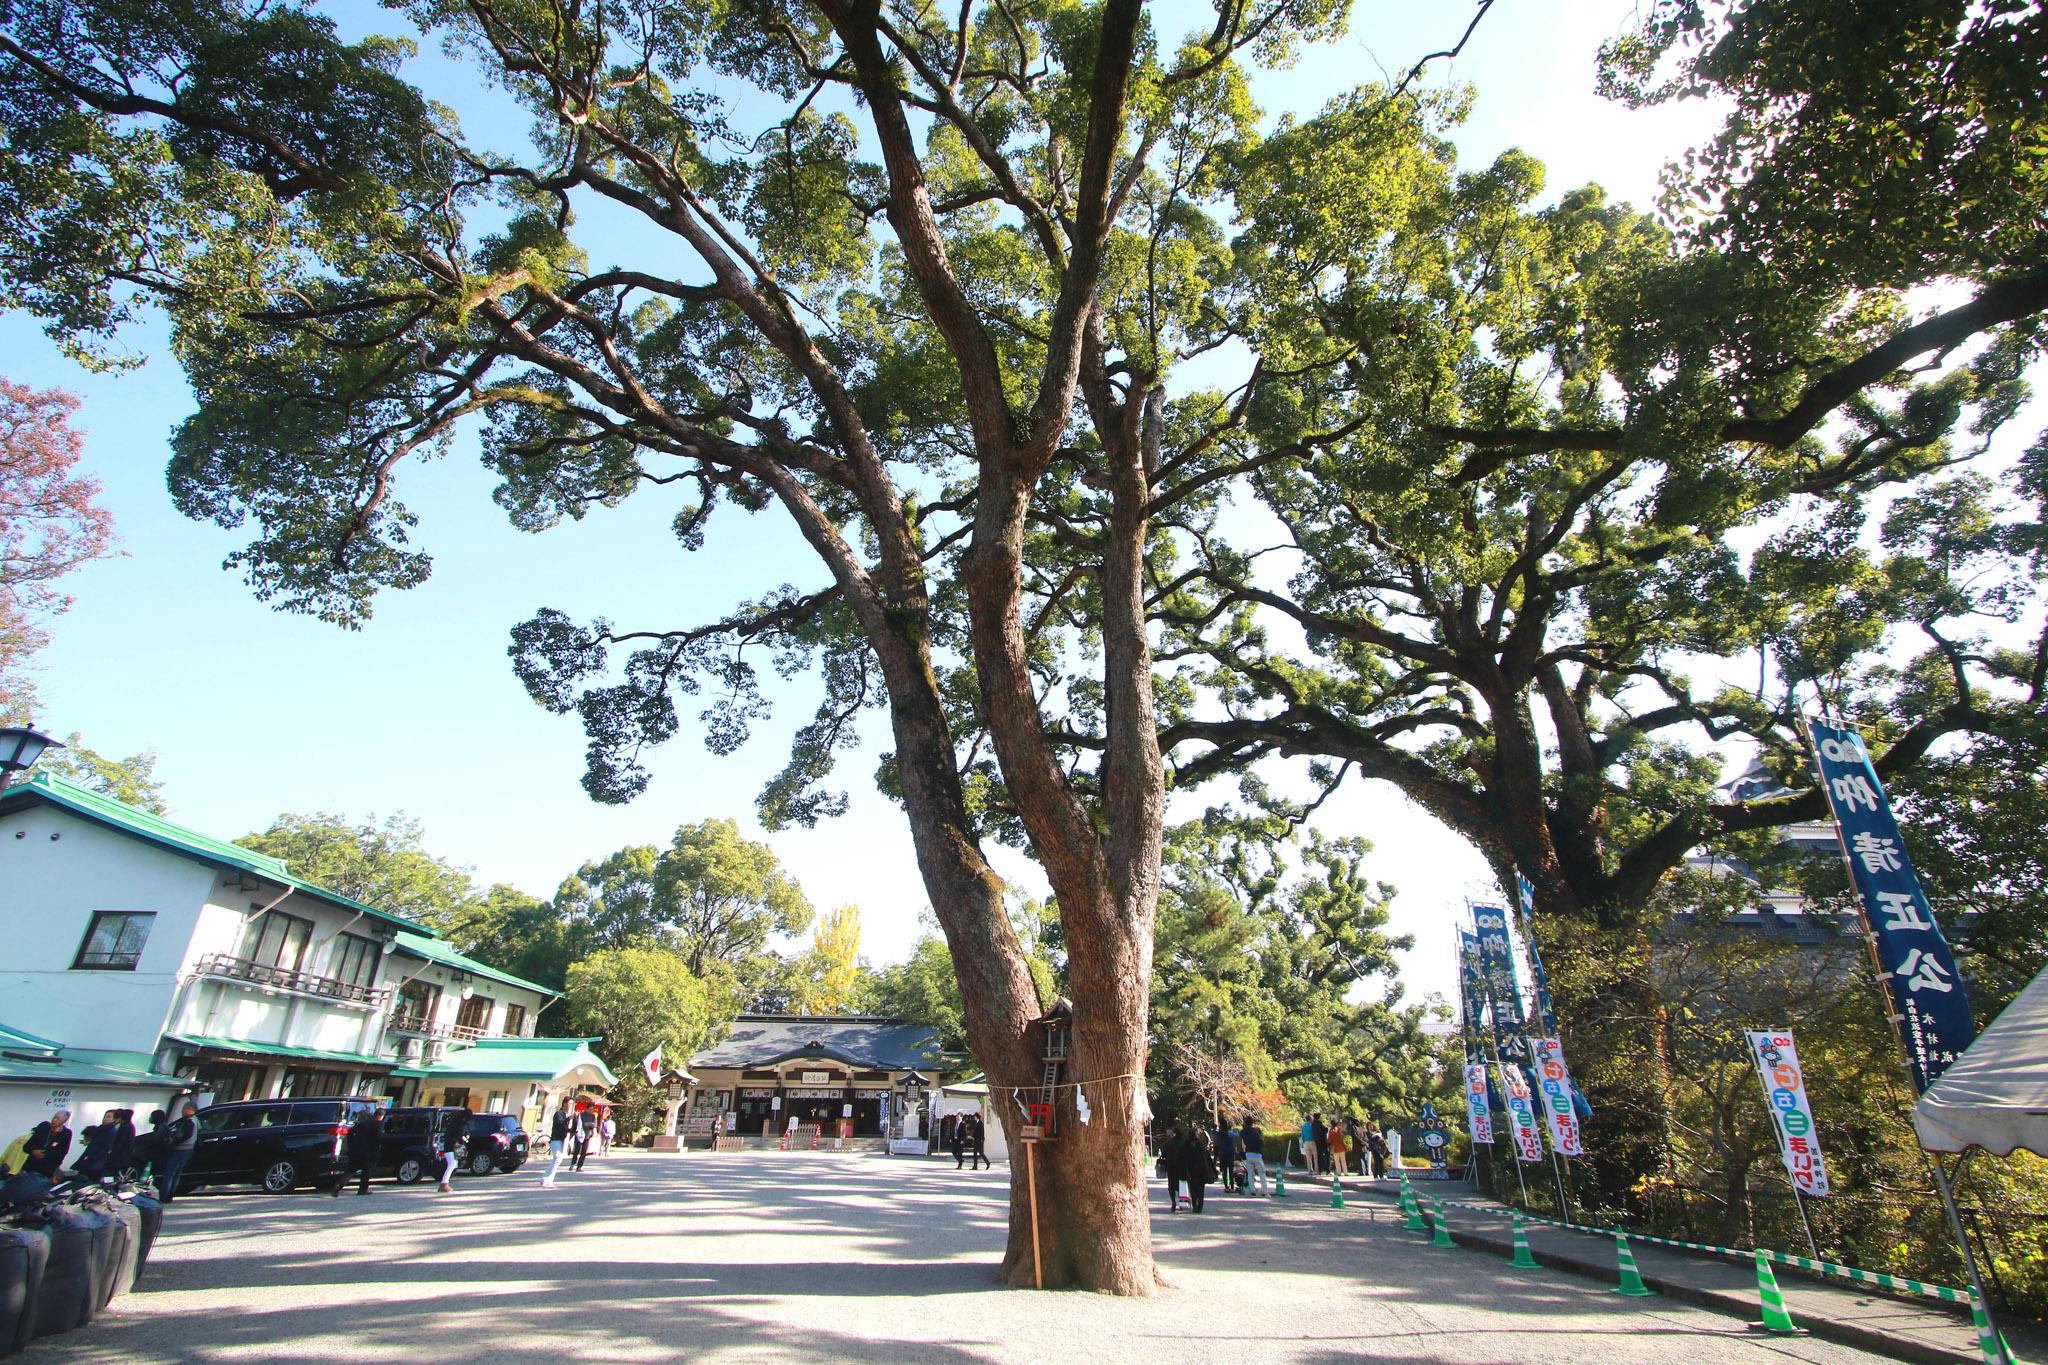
(856,1075)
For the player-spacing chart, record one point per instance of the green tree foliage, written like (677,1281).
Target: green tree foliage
(132,779)
(632,999)
(386,865)
(924,988)
(1262,982)
(715,899)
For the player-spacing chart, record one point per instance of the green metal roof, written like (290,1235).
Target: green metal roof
(538,1059)
(25,1057)
(50,789)
(307,1054)
(433,950)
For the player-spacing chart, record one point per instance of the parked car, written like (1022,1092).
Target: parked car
(412,1143)
(278,1144)
(496,1143)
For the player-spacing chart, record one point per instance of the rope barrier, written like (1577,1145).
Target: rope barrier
(1881,1279)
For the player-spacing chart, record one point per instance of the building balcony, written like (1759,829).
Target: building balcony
(419,1026)
(222,966)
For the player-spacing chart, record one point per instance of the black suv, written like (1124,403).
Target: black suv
(496,1142)
(412,1143)
(278,1144)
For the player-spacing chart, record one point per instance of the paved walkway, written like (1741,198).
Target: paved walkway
(770,1256)
(1903,1327)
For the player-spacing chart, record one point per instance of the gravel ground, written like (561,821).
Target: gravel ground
(771,1256)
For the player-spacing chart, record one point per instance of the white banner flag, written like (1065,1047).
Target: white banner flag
(1777,1062)
(1556,1084)
(1476,1112)
(1521,1112)
(650,1065)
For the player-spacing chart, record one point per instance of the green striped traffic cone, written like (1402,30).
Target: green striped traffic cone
(1996,1352)
(1443,1228)
(1336,1193)
(1522,1259)
(1279,1184)
(1776,1319)
(1631,1279)
(1416,1222)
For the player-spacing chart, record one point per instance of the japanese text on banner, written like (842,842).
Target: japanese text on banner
(1934,1012)
(1521,1113)
(1777,1063)
(1556,1084)
(1475,1104)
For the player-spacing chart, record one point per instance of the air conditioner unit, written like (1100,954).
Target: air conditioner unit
(408,1049)
(435,1051)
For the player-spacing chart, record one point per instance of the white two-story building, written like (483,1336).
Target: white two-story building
(162,961)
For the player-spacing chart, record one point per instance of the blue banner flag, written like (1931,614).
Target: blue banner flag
(1526,894)
(1925,986)
(1497,965)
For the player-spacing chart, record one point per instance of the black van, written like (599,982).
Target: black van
(278,1144)
(412,1142)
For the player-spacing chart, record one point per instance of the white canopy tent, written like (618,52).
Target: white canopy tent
(1995,1096)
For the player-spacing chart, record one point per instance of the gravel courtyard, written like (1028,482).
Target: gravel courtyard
(767,1256)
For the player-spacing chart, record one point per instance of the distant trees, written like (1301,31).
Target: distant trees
(385,865)
(631,1000)
(49,526)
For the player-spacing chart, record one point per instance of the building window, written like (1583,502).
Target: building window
(355,960)
(515,1021)
(456,1097)
(113,941)
(475,1013)
(278,940)
(310,1084)
(496,1103)
(418,1000)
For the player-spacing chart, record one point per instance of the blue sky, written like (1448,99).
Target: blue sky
(253,712)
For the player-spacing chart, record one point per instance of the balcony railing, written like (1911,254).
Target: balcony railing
(288,979)
(419,1026)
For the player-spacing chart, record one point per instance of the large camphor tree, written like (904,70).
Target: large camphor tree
(915,280)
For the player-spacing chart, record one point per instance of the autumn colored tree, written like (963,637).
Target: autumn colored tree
(830,972)
(49,526)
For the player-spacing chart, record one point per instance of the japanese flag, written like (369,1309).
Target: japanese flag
(650,1065)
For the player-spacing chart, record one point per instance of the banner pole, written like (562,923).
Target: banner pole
(1799,1200)
(1955,1223)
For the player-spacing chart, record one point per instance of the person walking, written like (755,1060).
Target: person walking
(582,1133)
(1308,1145)
(558,1143)
(1197,1163)
(956,1139)
(977,1138)
(1320,1131)
(606,1131)
(454,1146)
(49,1142)
(1254,1140)
(365,1144)
(1170,1158)
(181,1136)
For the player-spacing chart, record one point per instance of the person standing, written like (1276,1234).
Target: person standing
(365,1144)
(1377,1141)
(97,1160)
(1339,1147)
(1226,1153)
(454,1146)
(1320,1131)
(180,1138)
(49,1142)
(606,1131)
(1308,1145)
(558,1143)
(956,1139)
(1254,1139)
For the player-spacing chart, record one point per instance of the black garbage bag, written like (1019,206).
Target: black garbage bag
(152,1215)
(127,1254)
(24,1254)
(69,1294)
(24,1188)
